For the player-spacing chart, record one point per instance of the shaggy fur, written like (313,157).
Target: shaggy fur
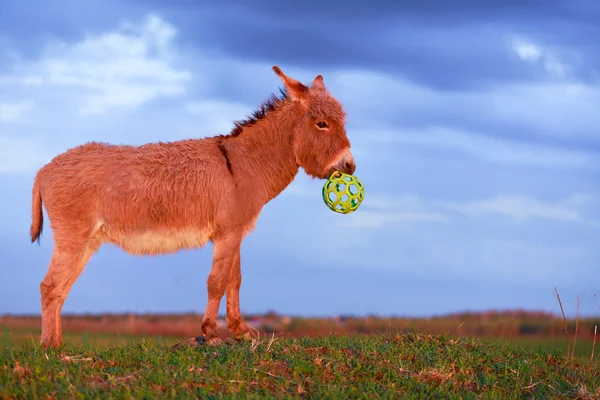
(160,198)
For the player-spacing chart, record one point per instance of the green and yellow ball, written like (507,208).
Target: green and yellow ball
(343,193)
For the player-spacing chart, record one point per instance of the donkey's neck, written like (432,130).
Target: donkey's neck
(263,154)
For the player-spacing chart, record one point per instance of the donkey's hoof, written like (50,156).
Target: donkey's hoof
(245,337)
(215,341)
(193,342)
(51,344)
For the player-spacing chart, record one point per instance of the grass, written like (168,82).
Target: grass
(17,337)
(550,345)
(407,365)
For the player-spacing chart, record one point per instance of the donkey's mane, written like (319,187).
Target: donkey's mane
(269,105)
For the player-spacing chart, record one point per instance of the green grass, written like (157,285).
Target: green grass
(15,337)
(583,348)
(407,365)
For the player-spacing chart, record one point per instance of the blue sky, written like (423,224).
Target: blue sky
(474,126)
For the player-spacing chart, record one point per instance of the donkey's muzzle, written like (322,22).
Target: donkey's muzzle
(345,164)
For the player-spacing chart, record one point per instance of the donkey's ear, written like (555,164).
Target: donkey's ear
(295,89)
(317,83)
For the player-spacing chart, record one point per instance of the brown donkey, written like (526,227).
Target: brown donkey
(164,197)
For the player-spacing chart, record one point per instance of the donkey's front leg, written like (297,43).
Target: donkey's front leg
(224,252)
(235,321)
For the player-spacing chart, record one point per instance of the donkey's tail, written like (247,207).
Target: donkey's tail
(37,217)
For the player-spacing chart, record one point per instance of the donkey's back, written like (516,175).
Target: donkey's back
(151,199)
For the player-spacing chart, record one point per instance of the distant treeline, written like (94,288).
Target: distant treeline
(511,323)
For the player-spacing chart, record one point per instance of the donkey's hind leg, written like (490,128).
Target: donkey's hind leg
(65,267)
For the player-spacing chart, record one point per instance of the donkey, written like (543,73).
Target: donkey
(160,198)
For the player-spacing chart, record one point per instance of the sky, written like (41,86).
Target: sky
(474,126)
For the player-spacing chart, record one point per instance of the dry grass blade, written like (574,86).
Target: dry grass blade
(576,327)
(594,344)
(553,388)
(75,358)
(531,386)
(564,322)
(300,389)
(271,342)
(106,383)
(254,345)
(256,331)
(255,342)
(130,376)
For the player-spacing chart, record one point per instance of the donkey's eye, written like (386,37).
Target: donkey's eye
(322,125)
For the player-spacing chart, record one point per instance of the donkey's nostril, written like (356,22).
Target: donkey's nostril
(349,167)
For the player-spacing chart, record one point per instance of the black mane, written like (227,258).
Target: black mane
(269,105)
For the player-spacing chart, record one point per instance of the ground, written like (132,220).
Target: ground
(375,365)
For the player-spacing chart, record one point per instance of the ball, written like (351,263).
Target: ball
(343,193)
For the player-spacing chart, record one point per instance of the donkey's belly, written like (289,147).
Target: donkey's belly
(162,241)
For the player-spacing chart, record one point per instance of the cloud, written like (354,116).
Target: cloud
(550,125)
(578,200)
(421,236)
(405,40)
(10,112)
(379,219)
(527,51)
(525,260)
(121,69)
(77,90)
(380,211)
(488,148)
(30,80)
(521,208)
(530,52)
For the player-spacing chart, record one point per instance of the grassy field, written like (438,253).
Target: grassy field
(393,365)
(583,348)
(16,337)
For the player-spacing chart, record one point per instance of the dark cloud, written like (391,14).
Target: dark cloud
(424,11)
(446,45)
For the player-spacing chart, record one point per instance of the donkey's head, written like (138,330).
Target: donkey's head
(319,137)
